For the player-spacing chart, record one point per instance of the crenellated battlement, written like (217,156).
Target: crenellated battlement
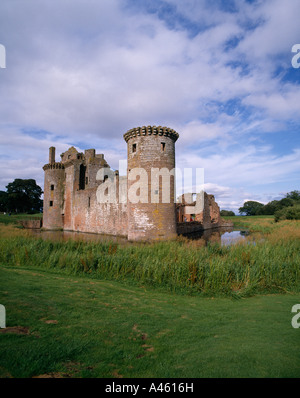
(52,166)
(151,130)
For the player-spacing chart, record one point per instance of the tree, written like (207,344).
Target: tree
(288,213)
(251,208)
(224,213)
(3,201)
(270,208)
(24,196)
(294,195)
(285,202)
(291,199)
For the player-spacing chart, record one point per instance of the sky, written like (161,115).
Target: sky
(221,73)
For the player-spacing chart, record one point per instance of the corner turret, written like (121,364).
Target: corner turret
(54,180)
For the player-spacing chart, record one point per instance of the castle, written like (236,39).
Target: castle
(82,193)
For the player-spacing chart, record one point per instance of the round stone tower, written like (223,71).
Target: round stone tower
(151,183)
(54,180)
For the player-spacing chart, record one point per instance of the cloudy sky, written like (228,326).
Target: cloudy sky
(219,72)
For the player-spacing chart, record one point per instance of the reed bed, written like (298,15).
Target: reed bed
(268,261)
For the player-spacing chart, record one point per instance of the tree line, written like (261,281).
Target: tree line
(21,196)
(285,208)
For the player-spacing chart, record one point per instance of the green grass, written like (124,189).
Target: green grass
(246,221)
(105,329)
(169,309)
(15,218)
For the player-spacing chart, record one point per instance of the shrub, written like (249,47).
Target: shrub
(225,213)
(288,213)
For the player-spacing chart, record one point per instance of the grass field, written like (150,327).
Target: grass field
(80,309)
(81,327)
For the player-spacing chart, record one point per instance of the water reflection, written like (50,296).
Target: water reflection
(77,236)
(229,238)
(224,236)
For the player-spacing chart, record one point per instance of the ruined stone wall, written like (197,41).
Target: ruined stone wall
(83,212)
(31,224)
(204,216)
(214,211)
(68,198)
(90,216)
(205,209)
(93,164)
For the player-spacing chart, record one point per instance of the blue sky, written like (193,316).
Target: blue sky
(218,72)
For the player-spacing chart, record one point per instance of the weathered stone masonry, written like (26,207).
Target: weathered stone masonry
(71,190)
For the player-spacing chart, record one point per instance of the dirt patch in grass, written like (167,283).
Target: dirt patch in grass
(72,370)
(15,330)
(52,375)
(4,374)
(116,374)
(49,321)
(148,347)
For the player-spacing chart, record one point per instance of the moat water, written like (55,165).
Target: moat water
(223,236)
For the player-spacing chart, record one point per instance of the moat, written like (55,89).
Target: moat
(224,236)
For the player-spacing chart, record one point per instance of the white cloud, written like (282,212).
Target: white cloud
(276,34)
(84,72)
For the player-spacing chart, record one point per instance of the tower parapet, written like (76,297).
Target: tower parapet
(51,166)
(151,130)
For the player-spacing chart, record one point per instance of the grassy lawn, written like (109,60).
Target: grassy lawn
(82,327)
(163,311)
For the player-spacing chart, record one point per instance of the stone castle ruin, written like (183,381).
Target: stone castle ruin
(82,193)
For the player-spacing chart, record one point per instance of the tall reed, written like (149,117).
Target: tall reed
(271,264)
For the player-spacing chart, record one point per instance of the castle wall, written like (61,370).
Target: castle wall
(77,192)
(68,198)
(84,212)
(204,215)
(90,216)
(206,211)
(214,211)
(31,224)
